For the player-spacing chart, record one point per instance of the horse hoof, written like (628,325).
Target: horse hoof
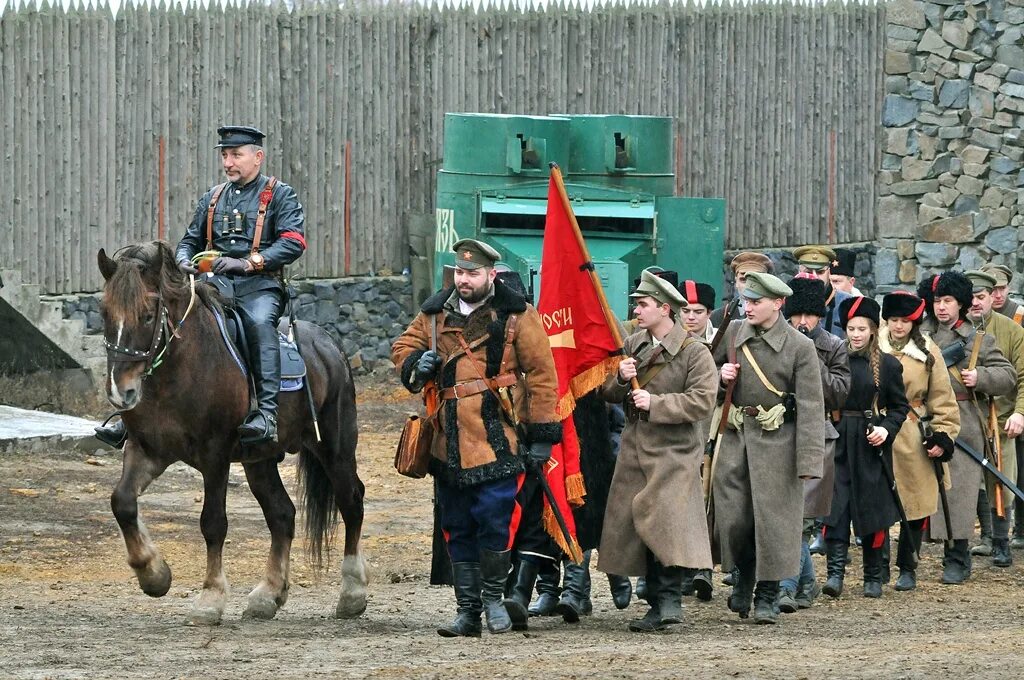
(350,606)
(261,607)
(204,616)
(155,578)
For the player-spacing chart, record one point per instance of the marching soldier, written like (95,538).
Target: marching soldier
(487,349)
(804,310)
(741,265)
(700,300)
(254,223)
(819,260)
(932,424)
(1009,409)
(775,439)
(1001,301)
(654,524)
(977,369)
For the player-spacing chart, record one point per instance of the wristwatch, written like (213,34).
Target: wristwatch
(257,261)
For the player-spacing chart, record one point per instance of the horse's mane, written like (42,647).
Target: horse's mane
(150,266)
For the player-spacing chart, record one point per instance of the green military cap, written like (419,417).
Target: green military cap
(1000,272)
(980,280)
(816,258)
(659,289)
(749,261)
(764,285)
(473,254)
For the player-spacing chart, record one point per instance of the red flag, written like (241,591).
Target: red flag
(582,343)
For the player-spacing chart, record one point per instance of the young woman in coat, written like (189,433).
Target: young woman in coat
(918,459)
(870,420)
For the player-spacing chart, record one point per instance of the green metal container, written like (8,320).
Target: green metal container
(618,174)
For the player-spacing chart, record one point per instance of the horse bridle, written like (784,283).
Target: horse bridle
(162,331)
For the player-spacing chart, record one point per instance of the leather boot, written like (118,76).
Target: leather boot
(573,601)
(641,588)
(588,602)
(670,594)
(651,621)
(548,589)
(688,575)
(885,559)
(731,578)
(872,568)
(518,601)
(984,548)
(956,562)
(743,591)
(260,426)
(621,589)
(112,435)
(467,598)
(494,568)
(906,581)
(835,566)
(703,585)
(817,546)
(1001,556)
(765,595)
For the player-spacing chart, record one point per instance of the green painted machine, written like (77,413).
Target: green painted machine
(618,172)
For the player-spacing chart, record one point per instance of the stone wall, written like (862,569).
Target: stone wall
(950,182)
(363,314)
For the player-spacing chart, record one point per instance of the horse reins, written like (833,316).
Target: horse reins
(163,331)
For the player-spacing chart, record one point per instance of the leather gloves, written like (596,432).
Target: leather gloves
(426,367)
(230,266)
(540,453)
(187,267)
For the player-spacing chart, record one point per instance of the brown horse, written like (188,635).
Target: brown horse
(182,398)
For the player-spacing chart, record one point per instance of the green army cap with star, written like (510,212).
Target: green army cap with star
(660,290)
(980,280)
(1000,272)
(764,285)
(473,254)
(816,258)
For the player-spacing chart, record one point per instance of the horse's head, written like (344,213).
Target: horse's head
(142,284)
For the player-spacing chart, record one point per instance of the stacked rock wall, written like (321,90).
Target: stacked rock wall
(951,186)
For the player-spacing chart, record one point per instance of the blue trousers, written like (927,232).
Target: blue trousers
(481,517)
(806,576)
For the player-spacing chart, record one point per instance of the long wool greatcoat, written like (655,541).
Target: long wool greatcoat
(1010,341)
(835,385)
(474,442)
(995,376)
(861,481)
(929,394)
(757,493)
(656,500)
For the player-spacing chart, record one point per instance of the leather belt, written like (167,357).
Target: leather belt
(748,410)
(912,414)
(856,414)
(471,387)
(963,397)
(836,415)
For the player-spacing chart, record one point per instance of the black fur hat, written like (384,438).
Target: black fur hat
(847,260)
(903,304)
(958,286)
(698,293)
(667,274)
(858,306)
(808,297)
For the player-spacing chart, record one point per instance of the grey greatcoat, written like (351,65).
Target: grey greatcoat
(996,376)
(656,501)
(757,491)
(835,385)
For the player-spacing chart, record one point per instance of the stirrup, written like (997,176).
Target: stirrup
(268,434)
(115,435)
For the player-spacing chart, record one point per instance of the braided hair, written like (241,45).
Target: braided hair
(873,351)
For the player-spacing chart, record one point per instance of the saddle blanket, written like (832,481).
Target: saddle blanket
(293,368)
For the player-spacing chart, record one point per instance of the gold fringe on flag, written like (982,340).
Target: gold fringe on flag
(588,380)
(574,551)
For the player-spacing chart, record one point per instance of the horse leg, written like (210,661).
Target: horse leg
(209,608)
(137,472)
(348,492)
(272,592)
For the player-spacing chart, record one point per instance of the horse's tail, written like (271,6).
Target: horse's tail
(318,507)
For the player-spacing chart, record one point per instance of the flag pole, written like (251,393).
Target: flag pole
(609,317)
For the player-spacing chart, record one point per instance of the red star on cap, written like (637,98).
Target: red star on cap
(466,255)
(835,263)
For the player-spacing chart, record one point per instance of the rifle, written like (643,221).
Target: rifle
(711,448)
(986,465)
(890,478)
(726,320)
(940,477)
(996,446)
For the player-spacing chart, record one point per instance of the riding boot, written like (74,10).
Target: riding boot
(112,435)
(765,595)
(886,556)
(670,594)
(688,574)
(743,590)
(621,589)
(817,546)
(651,621)
(588,602)
(518,601)
(984,548)
(703,585)
(641,588)
(494,568)
(467,597)
(1001,556)
(956,562)
(731,578)
(261,425)
(548,589)
(906,560)
(835,567)
(572,603)
(872,568)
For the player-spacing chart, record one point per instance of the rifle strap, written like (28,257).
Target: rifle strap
(760,374)
(265,197)
(214,200)
(654,370)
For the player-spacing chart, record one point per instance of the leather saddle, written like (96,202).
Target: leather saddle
(293,367)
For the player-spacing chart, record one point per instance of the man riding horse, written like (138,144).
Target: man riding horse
(253,225)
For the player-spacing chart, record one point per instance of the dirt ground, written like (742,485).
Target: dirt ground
(71,608)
